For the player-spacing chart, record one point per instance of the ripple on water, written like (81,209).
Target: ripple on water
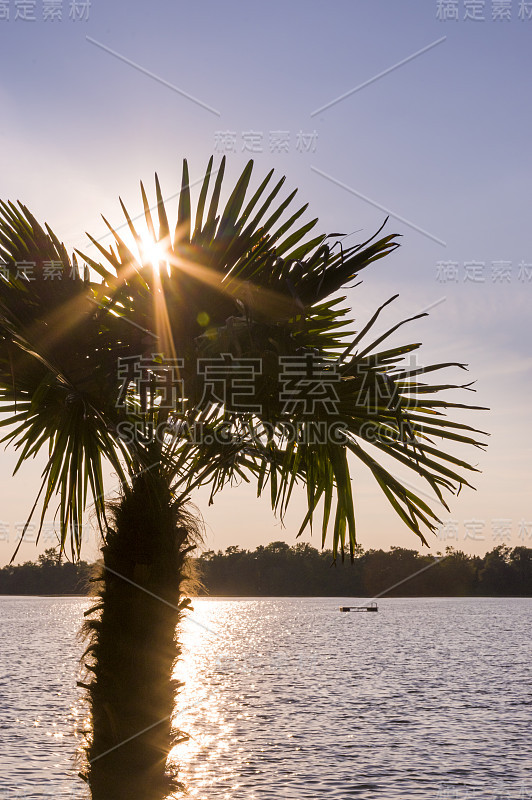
(287,698)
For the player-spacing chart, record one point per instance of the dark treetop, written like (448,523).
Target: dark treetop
(281,570)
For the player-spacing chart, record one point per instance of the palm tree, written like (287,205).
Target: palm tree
(58,366)
(88,370)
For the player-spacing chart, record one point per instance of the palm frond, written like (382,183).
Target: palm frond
(242,281)
(57,370)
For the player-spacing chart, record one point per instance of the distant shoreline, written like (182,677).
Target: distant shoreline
(281,570)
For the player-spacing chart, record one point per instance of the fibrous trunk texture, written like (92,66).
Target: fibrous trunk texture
(132,644)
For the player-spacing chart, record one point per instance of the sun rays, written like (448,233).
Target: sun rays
(155,253)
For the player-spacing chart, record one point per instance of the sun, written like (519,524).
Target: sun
(154,253)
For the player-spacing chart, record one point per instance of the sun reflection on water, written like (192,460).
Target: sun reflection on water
(201,706)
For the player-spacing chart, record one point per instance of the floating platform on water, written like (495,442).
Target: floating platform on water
(368,607)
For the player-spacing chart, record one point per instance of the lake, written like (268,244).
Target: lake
(289,698)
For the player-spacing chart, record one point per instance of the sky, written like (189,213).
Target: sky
(414,109)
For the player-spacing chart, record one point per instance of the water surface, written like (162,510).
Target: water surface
(289,698)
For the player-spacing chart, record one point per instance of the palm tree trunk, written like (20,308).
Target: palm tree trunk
(132,644)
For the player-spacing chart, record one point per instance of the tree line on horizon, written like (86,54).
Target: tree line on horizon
(279,569)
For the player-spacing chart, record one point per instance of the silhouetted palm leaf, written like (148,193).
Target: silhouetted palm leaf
(266,295)
(57,368)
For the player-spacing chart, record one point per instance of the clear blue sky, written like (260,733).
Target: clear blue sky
(442,141)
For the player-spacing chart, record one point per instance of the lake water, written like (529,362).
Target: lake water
(289,698)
